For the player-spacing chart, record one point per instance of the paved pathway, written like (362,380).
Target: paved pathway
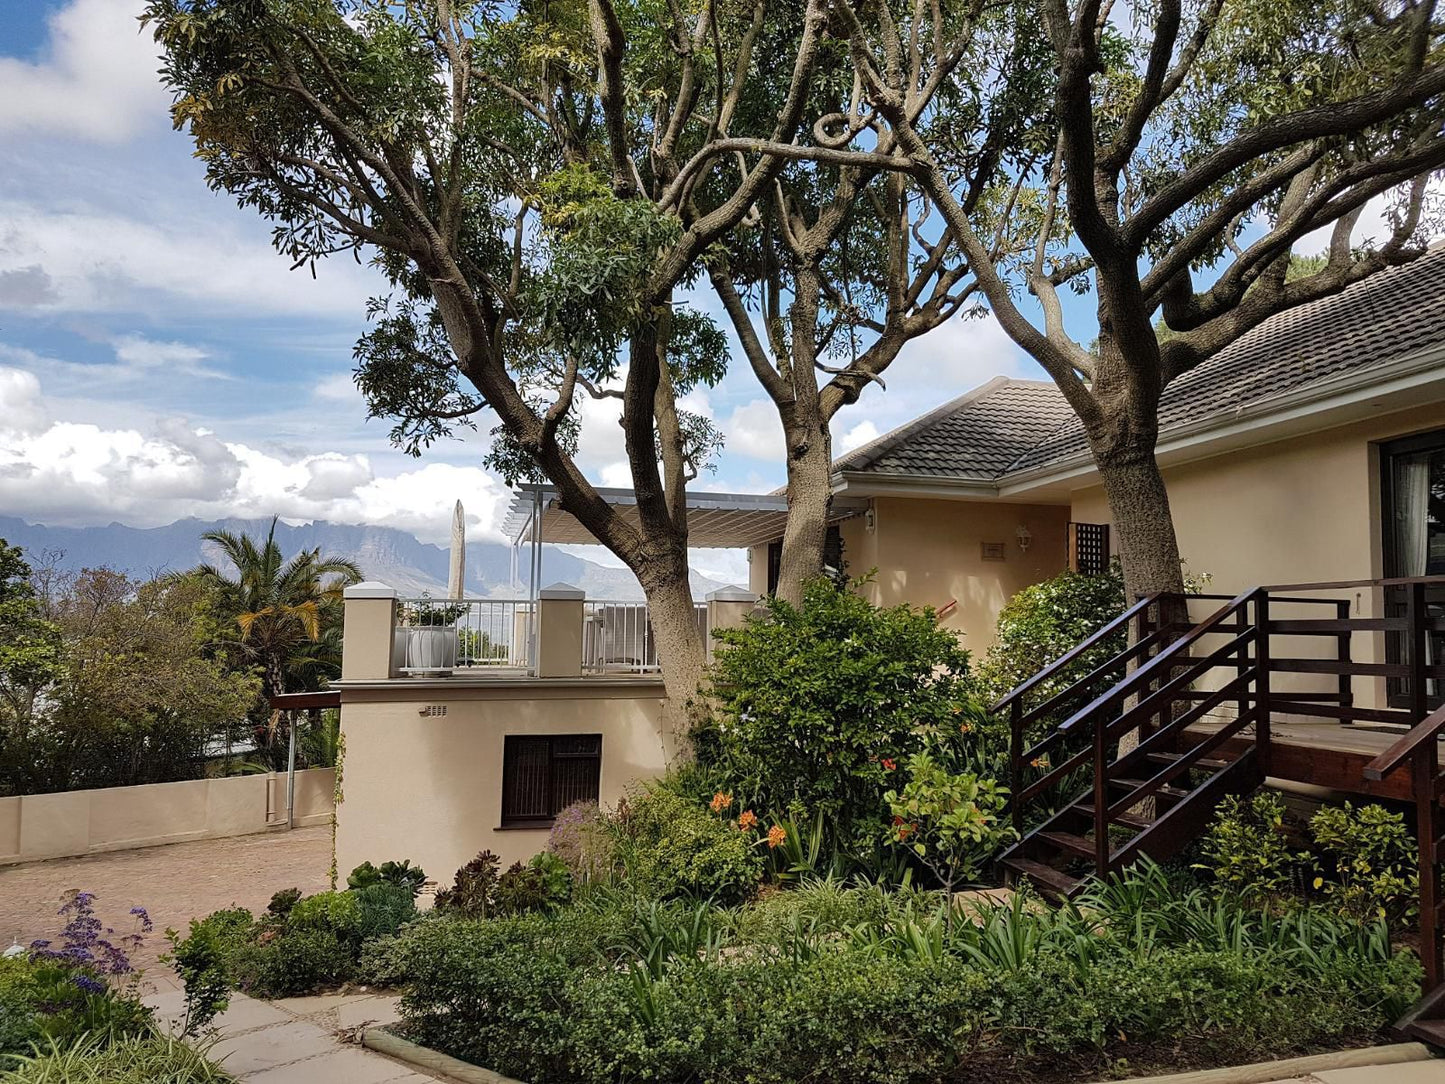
(175,883)
(300,1040)
(1410,1072)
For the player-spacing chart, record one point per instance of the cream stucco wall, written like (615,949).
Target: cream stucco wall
(76,822)
(929,552)
(427,786)
(1301,510)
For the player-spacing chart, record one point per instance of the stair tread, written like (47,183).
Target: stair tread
(1046,876)
(1068,841)
(1212,763)
(1123,818)
(1167,790)
(1430,1031)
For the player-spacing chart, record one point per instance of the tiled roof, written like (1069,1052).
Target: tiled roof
(1010,425)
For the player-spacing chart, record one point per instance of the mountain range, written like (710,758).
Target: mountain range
(387,554)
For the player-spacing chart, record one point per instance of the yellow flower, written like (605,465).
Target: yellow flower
(776,836)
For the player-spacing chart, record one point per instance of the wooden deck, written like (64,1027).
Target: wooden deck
(1324,754)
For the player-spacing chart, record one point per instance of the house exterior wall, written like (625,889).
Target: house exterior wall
(929,552)
(422,775)
(1301,510)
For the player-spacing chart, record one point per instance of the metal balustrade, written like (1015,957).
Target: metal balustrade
(435,636)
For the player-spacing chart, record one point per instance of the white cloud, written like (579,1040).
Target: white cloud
(337,388)
(66,472)
(94,261)
(1374,223)
(96,81)
(858,436)
(755,430)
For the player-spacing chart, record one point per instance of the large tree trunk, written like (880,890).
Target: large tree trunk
(680,651)
(810,495)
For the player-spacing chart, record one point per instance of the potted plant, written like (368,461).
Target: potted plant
(431,636)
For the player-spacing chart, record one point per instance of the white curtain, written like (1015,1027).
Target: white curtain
(1412,514)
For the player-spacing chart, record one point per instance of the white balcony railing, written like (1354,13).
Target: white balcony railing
(617,636)
(434,636)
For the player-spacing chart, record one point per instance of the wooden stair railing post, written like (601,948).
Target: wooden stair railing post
(1016,763)
(1345,656)
(1101,792)
(1262,683)
(1415,647)
(1425,766)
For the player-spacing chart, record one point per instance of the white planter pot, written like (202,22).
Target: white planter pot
(399,639)
(431,649)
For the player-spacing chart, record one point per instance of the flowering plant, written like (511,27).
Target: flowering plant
(951,822)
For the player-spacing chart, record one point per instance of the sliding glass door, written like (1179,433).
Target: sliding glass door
(1413,506)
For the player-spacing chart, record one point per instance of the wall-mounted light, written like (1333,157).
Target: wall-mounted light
(870,519)
(1024,537)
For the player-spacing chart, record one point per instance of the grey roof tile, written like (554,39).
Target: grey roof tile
(1008,425)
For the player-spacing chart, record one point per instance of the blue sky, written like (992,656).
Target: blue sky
(158,359)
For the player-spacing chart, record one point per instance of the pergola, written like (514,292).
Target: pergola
(714,521)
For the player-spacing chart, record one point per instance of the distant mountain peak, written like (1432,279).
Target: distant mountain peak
(388,554)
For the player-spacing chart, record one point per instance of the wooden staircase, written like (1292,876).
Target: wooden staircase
(1080,807)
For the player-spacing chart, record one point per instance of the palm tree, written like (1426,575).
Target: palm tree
(287,612)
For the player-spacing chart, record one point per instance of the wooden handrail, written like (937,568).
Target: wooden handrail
(1334,585)
(326,698)
(1146,672)
(1121,659)
(1120,622)
(1427,730)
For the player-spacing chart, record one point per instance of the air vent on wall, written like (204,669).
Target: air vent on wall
(434,710)
(993,551)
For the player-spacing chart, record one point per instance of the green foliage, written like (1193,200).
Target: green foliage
(29,645)
(1246,848)
(50,1001)
(336,912)
(1043,621)
(543,884)
(403,874)
(140,1059)
(670,846)
(582,839)
(1371,865)
(819,704)
(1364,859)
(882,987)
(282,902)
(295,961)
(473,888)
(952,821)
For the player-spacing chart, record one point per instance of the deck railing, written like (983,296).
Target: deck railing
(617,636)
(438,635)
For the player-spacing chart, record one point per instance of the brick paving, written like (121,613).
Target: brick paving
(175,883)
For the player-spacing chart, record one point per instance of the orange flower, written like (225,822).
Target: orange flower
(720,801)
(776,836)
(905,830)
(965,728)
(889,764)
(1039,762)
(748,821)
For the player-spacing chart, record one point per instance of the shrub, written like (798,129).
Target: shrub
(282,902)
(1371,868)
(1246,849)
(472,889)
(338,913)
(293,962)
(543,884)
(383,909)
(1047,619)
(952,822)
(400,874)
(817,702)
(669,846)
(581,839)
(149,1059)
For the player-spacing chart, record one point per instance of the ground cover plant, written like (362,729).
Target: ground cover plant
(895,985)
(140,1059)
(79,987)
(299,945)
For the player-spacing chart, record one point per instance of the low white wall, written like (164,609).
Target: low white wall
(76,822)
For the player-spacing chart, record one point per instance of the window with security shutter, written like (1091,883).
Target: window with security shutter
(543,775)
(1089,547)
